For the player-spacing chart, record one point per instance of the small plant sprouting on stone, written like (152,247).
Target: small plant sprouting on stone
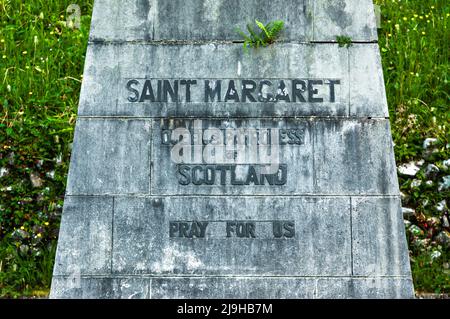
(267,34)
(344,41)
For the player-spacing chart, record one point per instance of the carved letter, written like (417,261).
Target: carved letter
(134,98)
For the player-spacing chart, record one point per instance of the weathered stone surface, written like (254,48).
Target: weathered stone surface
(85,241)
(109,68)
(354,157)
(316,264)
(88,287)
(336,157)
(351,18)
(368,98)
(206,20)
(230,288)
(235,287)
(321,245)
(347,159)
(378,235)
(298,158)
(142,244)
(81,288)
(110,157)
(365,288)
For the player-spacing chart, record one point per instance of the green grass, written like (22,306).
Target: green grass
(344,41)
(26,271)
(415,42)
(41,65)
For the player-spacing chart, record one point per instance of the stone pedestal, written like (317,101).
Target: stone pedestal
(163,201)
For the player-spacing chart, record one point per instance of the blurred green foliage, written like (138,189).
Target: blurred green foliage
(41,66)
(414,44)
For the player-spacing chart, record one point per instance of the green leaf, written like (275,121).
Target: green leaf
(262,27)
(255,37)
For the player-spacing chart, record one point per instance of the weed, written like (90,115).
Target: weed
(344,41)
(267,35)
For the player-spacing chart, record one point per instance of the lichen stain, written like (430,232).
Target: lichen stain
(336,11)
(146,14)
(367,31)
(143,8)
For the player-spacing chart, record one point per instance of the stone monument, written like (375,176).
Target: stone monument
(201,171)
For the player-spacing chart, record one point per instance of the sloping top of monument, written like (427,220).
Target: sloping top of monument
(206,20)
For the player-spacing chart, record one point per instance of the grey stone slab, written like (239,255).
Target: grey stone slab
(379,240)
(369,97)
(365,288)
(143,245)
(233,287)
(351,18)
(167,178)
(131,288)
(109,69)
(81,288)
(100,78)
(100,288)
(337,157)
(387,288)
(206,20)
(147,20)
(110,157)
(354,157)
(85,241)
